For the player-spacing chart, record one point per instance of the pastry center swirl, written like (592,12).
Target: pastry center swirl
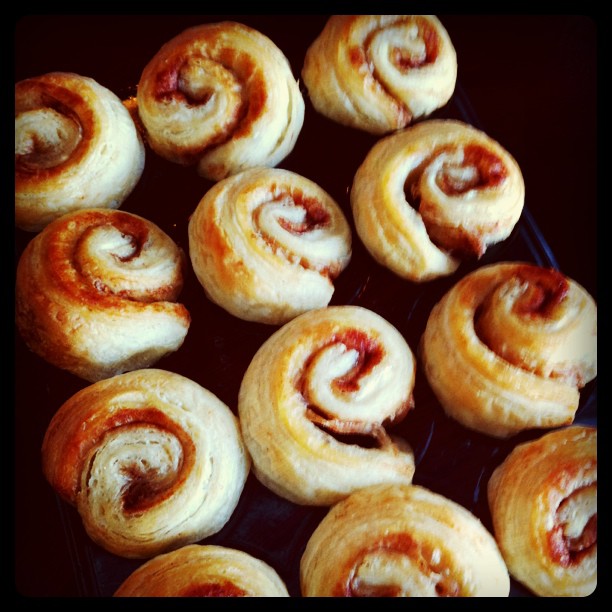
(128,261)
(138,463)
(301,229)
(406,45)
(45,138)
(400,567)
(348,388)
(575,534)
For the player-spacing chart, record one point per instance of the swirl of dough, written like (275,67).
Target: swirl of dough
(378,73)
(76,147)
(151,460)
(200,570)
(220,96)
(315,401)
(432,194)
(543,501)
(266,245)
(509,346)
(96,293)
(398,540)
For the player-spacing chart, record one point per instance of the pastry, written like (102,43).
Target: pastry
(394,540)
(316,401)
(222,97)
(509,347)
(150,459)
(266,245)
(434,194)
(378,73)
(96,293)
(203,571)
(543,502)
(76,147)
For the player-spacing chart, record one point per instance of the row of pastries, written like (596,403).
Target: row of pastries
(155,463)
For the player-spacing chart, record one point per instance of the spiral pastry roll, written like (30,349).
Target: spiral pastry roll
(315,401)
(150,459)
(96,293)
(436,193)
(203,571)
(378,73)
(266,245)
(509,347)
(76,147)
(543,501)
(222,97)
(398,540)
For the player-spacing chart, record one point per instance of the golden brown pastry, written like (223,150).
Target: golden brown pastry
(509,347)
(203,571)
(266,245)
(315,402)
(150,459)
(378,73)
(96,293)
(76,147)
(543,501)
(433,194)
(394,540)
(222,97)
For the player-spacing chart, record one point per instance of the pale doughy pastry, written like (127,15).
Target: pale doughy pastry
(315,402)
(96,293)
(509,347)
(543,501)
(203,571)
(378,73)
(76,147)
(222,97)
(150,459)
(401,541)
(433,194)
(266,245)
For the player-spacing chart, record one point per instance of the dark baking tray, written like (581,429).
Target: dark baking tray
(449,459)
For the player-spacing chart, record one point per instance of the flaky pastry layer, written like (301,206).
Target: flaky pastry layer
(543,502)
(151,460)
(317,399)
(76,147)
(509,347)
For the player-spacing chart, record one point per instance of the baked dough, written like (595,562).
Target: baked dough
(266,245)
(378,73)
(543,501)
(76,147)
(203,571)
(316,399)
(222,97)
(150,459)
(96,293)
(434,194)
(509,347)
(393,540)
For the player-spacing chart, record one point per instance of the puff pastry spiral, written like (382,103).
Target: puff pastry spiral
(509,347)
(222,97)
(315,401)
(433,194)
(266,244)
(96,293)
(378,73)
(76,147)
(393,540)
(151,460)
(203,571)
(543,501)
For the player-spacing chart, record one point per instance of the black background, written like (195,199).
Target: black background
(531,81)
